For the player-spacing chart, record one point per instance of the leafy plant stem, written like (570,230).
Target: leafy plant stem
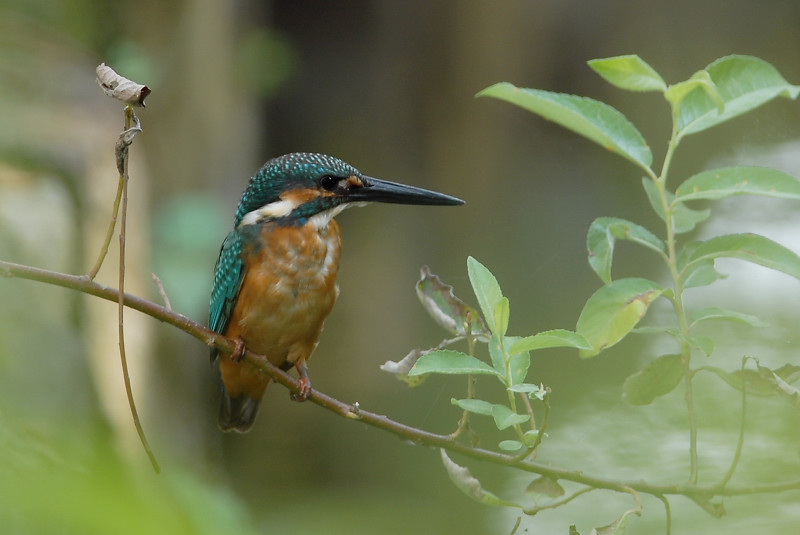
(417,436)
(677,298)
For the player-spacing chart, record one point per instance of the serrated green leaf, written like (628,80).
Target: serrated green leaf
(590,118)
(602,236)
(477,406)
(469,485)
(720,183)
(450,362)
(505,417)
(684,219)
(547,339)
(628,72)
(613,310)
(510,445)
(749,247)
(658,378)
(743,83)
(486,289)
(445,308)
(717,313)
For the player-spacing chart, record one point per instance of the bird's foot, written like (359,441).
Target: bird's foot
(238,349)
(304,391)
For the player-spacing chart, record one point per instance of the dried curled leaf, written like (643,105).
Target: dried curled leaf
(469,485)
(401,368)
(448,310)
(119,87)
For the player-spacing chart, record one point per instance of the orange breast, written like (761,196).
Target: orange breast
(288,290)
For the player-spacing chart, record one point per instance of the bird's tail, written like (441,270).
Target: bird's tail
(237,413)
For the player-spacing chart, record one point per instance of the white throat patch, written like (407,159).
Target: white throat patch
(272,210)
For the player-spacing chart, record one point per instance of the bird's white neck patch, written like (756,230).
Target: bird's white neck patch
(284,207)
(272,210)
(322,219)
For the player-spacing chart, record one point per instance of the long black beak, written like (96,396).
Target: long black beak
(376,190)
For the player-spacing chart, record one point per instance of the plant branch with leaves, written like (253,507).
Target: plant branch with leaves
(725,89)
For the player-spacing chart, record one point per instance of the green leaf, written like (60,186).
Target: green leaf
(450,362)
(720,183)
(590,118)
(703,274)
(469,485)
(780,386)
(501,313)
(658,378)
(510,445)
(533,391)
(497,356)
(445,308)
(743,83)
(717,313)
(547,486)
(505,417)
(531,436)
(477,406)
(628,72)
(700,80)
(759,383)
(518,367)
(750,247)
(602,235)
(684,219)
(546,339)
(486,289)
(703,343)
(613,310)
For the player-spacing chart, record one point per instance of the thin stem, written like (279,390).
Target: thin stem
(120,309)
(109,232)
(740,442)
(553,505)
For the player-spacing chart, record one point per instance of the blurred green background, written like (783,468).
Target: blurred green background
(387,86)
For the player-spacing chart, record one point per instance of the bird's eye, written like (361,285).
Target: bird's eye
(329,182)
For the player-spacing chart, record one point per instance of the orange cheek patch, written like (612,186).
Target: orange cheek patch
(354,182)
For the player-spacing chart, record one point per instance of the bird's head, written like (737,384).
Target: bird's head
(296,188)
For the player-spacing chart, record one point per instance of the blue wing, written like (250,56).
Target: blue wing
(228,276)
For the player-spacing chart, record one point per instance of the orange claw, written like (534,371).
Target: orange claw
(305,384)
(238,349)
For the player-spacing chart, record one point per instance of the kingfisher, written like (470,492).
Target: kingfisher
(275,278)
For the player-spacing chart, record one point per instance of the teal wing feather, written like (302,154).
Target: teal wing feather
(228,276)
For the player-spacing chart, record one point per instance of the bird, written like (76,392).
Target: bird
(275,277)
